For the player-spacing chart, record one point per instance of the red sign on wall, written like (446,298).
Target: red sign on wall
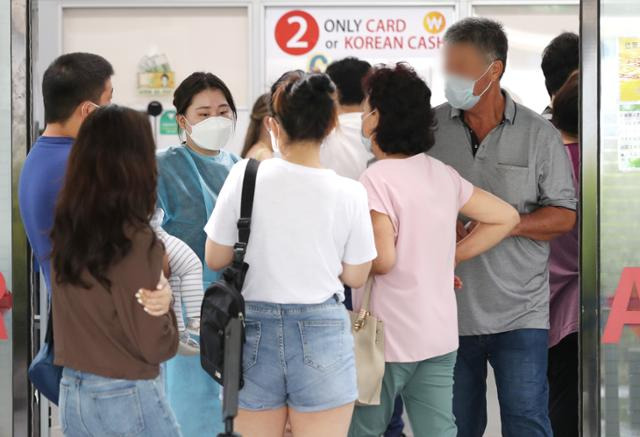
(297,32)
(625,306)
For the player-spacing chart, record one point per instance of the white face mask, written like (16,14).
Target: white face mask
(274,143)
(459,90)
(212,133)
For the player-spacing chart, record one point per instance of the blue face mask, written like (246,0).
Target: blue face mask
(459,90)
(366,141)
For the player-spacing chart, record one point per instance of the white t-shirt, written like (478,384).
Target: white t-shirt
(305,223)
(342,151)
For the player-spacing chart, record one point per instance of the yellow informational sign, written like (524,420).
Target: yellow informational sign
(156,83)
(629,69)
(629,105)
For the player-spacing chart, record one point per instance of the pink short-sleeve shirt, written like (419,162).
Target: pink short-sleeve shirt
(416,299)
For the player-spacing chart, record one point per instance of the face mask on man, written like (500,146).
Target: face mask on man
(212,133)
(89,109)
(459,90)
(366,140)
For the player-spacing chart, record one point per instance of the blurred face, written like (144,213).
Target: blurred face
(205,104)
(465,60)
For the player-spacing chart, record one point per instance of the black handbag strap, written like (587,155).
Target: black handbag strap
(246,208)
(49,334)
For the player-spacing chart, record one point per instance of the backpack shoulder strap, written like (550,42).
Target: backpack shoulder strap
(246,205)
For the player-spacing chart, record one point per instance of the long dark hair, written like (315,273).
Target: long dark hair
(259,111)
(109,191)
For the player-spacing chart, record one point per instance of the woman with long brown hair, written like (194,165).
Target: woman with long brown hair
(105,258)
(257,142)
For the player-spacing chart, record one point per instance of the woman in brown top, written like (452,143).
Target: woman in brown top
(104,254)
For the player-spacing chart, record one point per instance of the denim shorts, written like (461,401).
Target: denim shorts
(300,356)
(92,405)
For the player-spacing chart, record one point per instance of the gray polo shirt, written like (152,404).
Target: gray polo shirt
(522,161)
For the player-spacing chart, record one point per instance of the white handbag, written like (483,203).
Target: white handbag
(368,337)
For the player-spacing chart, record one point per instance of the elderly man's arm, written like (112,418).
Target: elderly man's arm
(545,224)
(557,197)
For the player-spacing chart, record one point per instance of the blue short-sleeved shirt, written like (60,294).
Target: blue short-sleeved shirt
(40,182)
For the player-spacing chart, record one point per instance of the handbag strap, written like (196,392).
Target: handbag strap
(48,339)
(364,313)
(366,298)
(246,209)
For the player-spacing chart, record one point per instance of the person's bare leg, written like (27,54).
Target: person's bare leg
(334,422)
(287,430)
(261,423)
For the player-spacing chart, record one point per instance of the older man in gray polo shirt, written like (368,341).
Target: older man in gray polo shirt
(511,151)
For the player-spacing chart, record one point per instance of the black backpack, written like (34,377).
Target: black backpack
(223,299)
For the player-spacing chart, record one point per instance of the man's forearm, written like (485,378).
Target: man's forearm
(545,224)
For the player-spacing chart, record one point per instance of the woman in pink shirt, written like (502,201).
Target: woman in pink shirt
(414,202)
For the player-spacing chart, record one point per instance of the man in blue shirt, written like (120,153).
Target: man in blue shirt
(73,86)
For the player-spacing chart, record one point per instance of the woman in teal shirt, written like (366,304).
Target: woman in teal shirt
(190,177)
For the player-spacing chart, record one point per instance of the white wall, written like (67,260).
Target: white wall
(529,29)
(193,39)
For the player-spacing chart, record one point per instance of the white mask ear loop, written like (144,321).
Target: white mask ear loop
(483,75)
(181,130)
(274,141)
(92,104)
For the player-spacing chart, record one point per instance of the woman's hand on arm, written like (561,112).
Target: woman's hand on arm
(143,297)
(156,302)
(217,256)
(495,219)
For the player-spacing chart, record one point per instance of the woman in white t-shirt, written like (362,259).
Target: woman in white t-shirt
(310,234)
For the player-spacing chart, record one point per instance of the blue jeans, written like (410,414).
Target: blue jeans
(298,355)
(92,405)
(519,361)
(396,425)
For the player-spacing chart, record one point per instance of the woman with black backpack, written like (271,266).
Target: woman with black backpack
(310,234)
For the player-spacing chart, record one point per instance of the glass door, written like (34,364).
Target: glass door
(611,170)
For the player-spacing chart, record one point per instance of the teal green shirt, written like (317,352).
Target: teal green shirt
(188,187)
